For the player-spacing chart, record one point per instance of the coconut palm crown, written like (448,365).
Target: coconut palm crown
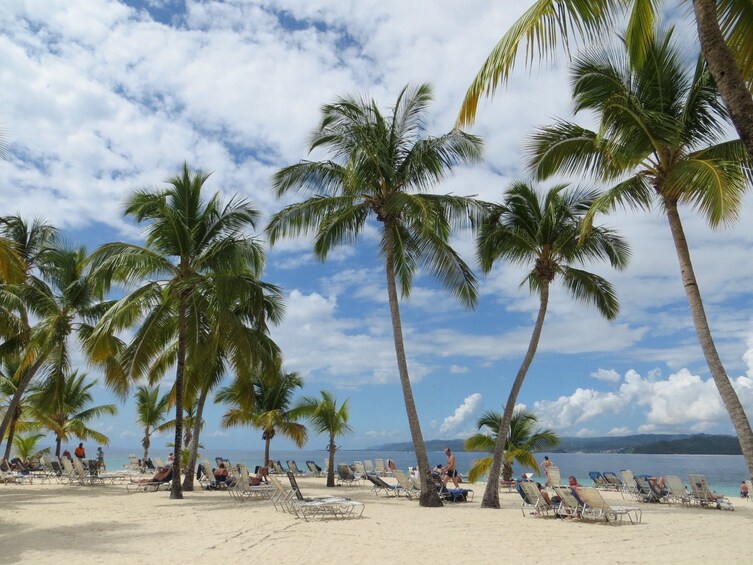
(661,141)
(382,167)
(522,441)
(543,233)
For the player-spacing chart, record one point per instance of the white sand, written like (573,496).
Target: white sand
(104,524)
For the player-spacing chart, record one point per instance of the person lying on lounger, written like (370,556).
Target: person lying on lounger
(164,475)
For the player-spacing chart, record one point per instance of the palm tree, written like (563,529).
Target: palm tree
(326,418)
(723,30)
(27,447)
(151,412)
(63,309)
(661,138)
(198,262)
(9,378)
(382,168)
(263,400)
(65,409)
(522,442)
(544,234)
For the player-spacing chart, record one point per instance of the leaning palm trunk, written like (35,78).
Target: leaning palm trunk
(429,496)
(491,494)
(266,450)
(175,489)
(726,391)
(11,433)
(15,402)
(331,467)
(188,480)
(726,73)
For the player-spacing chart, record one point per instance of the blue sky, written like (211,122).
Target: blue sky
(100,97)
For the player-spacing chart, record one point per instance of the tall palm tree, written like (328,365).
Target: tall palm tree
(382,167)
(326,418)
(198,262)
(9,379)
(661,138)
(264,400)
(723,30)
(544,234)
(65,409)
(65,303)
(522,441)
(151,412)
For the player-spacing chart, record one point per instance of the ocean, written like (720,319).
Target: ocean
(723,472)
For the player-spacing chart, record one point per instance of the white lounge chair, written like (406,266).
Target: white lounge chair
(533,499)
(595,507)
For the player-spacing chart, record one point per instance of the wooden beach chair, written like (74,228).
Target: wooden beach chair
(553,476)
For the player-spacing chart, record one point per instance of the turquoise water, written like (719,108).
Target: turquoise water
(723,472)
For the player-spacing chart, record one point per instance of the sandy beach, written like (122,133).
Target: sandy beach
(105,524)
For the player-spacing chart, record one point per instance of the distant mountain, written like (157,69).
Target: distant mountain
(641,443)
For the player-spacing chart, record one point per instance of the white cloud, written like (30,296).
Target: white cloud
(458,370)
(681,401)
(466,410)
(608,375)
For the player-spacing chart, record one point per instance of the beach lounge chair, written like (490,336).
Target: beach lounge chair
(408,488)
(345,475)
(282,496)
(322,507)
(598,479)
(150,485)
(629,488)
(701,494)
(450,494)
(613,481)
(532,499)
(158,462)
(294,467)
(569,506)
(554,476)
(277,468)
(379,485)
(368,466)
(242,490)
(314,469)
(676,490)
(647,491)
(379,468)
(596,508)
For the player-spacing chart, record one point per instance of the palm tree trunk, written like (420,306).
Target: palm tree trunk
(725,71)
(146,443)
(20,390)
(58,443)
(188,479)
(491,494)
(429,496)
(331,470)
(266,451)
(11,433)
(175,488)
(724,386)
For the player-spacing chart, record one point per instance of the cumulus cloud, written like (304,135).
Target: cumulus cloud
(608,375)
(458,370)
(462,414)
(681,401)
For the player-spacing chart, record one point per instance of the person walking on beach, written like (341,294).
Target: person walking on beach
(546,464)
(101,458)
(744,489)
(80,452)
(450,472)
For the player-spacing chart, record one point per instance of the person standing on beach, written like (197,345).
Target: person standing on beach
(101,458)
(450,472)
(80,452)
(546,464)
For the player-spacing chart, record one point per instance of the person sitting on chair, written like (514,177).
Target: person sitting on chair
(164,475)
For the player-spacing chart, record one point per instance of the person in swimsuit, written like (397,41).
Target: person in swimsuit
(450,472)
